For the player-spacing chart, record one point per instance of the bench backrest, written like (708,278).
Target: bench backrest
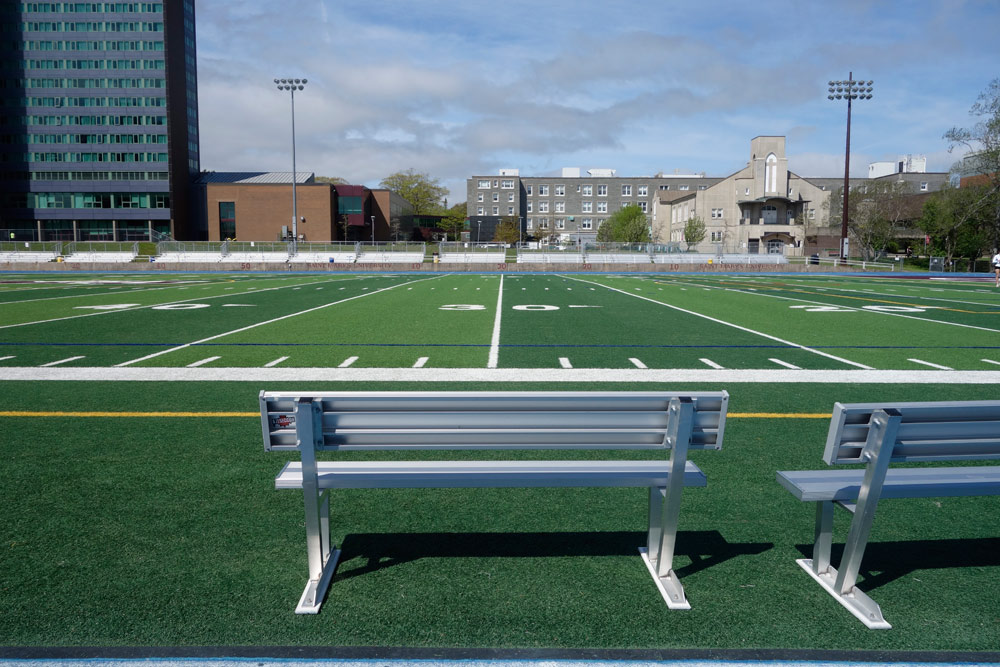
(491,420)
(927,431)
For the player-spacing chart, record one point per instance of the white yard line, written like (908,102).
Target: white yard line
(927,363)
(272,321)
(735,326)
(61,361)
(494,357)
(207,360)
(702,376)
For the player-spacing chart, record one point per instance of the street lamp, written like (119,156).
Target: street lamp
(291,85)
(373,232)
(848,90)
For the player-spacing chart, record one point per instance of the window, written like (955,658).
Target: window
(510,196)
(602,191)
(496,196)
(560,191)
(510,210)
(683,187)
(602,207)
(484,184)
(643,191)
(664,187)
(560,207)
(771,174)
(923,186)
(531,224)
(543,223)
(560,224)
(227,219)
(587,223)
(529,207)
(507,185)
(812,213)
(348,205)
(527,189)
(496,210)
(626,191)
(496,183)
(747,192)
(587,207)
(716,236)
(479,197)
(480,210)
(587,191)
(716,213)
(543,207)
(642,206)
(702,187)
(543,191)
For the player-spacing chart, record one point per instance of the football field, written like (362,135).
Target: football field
(140,509)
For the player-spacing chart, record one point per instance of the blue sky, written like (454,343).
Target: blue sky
(454,88)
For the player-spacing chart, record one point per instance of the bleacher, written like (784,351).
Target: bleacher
(726,258)
(94,257)
(617,258)
(390,258)
(251,256)
(550,258)
(189,257)
(315,257)
(497,257)
(28,256)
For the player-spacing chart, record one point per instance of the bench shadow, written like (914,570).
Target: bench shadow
(885,562)
(383,550)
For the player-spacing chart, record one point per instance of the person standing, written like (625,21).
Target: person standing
(996,266)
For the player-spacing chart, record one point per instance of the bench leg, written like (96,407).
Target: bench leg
(322,561)
(666,581)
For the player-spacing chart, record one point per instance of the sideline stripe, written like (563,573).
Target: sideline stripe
(226,415)
(494,357)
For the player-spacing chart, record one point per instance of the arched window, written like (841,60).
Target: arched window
(771,174)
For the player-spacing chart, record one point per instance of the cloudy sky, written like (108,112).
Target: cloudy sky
(454,88)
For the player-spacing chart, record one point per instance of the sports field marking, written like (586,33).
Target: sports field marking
(204,361)
(862,310)
(272,364)
(62,361)
(346,363)
(419,363)
(7,357)
(494,357)
(271,321)
(709,362)
(637,363)
(785,364)
(735,326)
(125,310)
(927,363)
(564,362)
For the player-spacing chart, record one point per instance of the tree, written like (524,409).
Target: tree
(877,213)
(983,140)
(508,231)
(333,180)
(453,222)
(424,193)
(694,232)
(956,224)
(627,225)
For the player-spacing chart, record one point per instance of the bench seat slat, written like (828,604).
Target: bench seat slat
(551,419)
(486,474)
(821,485)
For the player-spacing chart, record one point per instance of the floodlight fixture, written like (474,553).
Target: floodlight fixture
(849,90)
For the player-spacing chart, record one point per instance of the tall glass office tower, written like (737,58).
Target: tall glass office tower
(98,120)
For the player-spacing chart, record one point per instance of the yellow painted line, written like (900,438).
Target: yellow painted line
(112,415)
(31,413)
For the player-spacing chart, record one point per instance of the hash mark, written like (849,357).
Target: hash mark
(272,364)
(347,362)
(202,362)
(709,362)
(61,361)
(564,361)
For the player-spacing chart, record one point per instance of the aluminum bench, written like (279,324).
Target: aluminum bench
(311,423)
(877,435)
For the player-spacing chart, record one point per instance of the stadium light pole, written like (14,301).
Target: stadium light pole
(849,90)
(291,85)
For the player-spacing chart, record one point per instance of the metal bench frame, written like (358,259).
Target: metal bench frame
(878,434)
(353,421)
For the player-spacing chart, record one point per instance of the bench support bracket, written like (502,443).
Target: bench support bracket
(863,607)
